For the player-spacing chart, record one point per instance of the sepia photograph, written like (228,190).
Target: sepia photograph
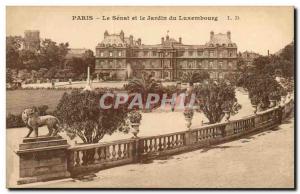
(150,97)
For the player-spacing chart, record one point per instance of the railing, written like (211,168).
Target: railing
(162,144)
(84,158)
(98,156)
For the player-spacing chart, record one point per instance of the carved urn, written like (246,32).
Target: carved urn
(135,118)
(188,115)
(255,108)
(227,115)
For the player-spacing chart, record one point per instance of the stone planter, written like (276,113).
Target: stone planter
(135,129)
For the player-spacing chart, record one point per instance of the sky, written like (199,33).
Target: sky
(257,29)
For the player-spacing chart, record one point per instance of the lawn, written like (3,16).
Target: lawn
(18,100)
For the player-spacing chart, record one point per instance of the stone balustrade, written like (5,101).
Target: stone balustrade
(87,158)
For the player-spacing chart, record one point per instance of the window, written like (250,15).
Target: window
(211,53)
(210,65)
(200,53)
(180,74)
(145,53)
(180,53)
(166,74)
(110,64)
(230,54)
(220,64)
(154,53)
(119,65)
(151,64)
(194,65)
(199,64)
(119,53)
(152,73)
(221,75)
(190,53)
(229,64)
(97,63)
(101,54)
(215,65)
(110,53)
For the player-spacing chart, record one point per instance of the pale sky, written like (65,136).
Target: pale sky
(258,29)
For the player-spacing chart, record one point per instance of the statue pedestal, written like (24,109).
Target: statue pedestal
(43,158)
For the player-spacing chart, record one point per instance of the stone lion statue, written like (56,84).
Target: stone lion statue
(33,121)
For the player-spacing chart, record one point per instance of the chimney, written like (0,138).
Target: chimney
(139,41)
(167,37)
(131,40)
(268,53)
(105,34)
(229,35)
(162,40)
(211,35)
(180,40)
(122,35)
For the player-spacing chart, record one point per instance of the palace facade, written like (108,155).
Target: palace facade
(122,57)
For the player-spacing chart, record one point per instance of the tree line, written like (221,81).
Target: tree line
(48,61)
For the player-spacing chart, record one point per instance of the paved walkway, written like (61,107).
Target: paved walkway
(261,160)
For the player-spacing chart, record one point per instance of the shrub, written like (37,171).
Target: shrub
(215,98)
(13,121)
(80,114)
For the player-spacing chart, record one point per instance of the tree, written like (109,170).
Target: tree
(214,98)
(261,89)
(89,60)
(29,59)
(143,86)
(51,54)
(9,76)
(79,65)
(81,116)
(195,77)
(282,62)
(287,60)
(13,46)
(51,73)
(261,65)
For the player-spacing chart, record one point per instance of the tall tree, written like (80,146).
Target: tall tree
(79,65)
(13,46)
(30,60)
(51,54)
